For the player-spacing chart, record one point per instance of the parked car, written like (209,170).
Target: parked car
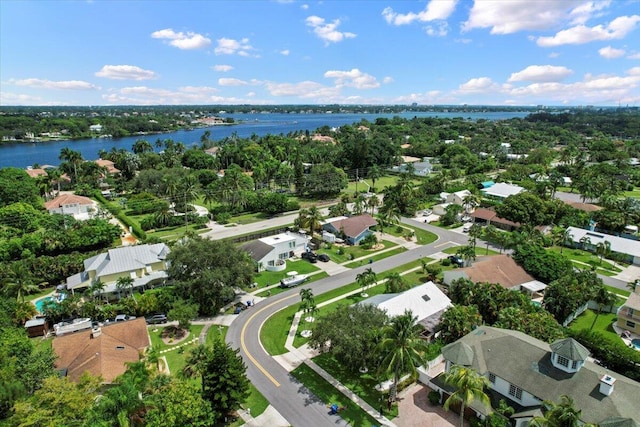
(466,227)
(456,260)
(310,256)
(156,318)
(124,317)
(323,257)
(427,212)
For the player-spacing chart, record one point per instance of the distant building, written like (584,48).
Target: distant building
(95,128)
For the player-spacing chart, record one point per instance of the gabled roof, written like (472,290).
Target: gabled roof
(484,214)
(34,173)
(126,258)
(501,269)
(458,353)
(633,301)
(570,348)
(107,164)
(525,362)
(67,199)
(424,301)
(257,249)
(105,355)
(355,225)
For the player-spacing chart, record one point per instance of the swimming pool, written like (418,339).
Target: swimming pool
(40,303)
(636,343)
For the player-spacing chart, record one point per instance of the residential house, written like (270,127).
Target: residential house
(95,128)
(271,253)
(102,352)
(79,207)
(109,165)
(36,172)
(427,302)
(484,216)
(502,190)
(352,229)
(500,269)
(525,371)
(458,197)
(145,264)
(629,313)
(589,240)
(420,168)
(213,151)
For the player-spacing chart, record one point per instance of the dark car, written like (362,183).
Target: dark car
(156,318)
(310,256)
(323,257)
(456,260)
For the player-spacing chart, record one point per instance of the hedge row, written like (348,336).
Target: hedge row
(119,213)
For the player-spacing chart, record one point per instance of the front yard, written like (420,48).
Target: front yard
(603,324)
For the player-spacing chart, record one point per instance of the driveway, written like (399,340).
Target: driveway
(416,411)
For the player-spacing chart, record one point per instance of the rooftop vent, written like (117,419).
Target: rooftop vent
(96,332)
(120,347)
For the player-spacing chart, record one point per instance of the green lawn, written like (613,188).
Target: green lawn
(266,278)
(215,332)
(580,258)
(376,257)
(361,384)
(423,237)
(603,324)
(176,357)
(342,254)
(41,293)
(618,291)
(634,193)
(382,182)
(480,250)
(274,331)
(277,290)
(326,393)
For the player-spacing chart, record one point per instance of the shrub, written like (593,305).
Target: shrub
(446,262)
(434,397)
(223,218)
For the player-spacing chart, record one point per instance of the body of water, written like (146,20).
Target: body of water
(46,153)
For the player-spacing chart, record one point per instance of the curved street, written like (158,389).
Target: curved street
(290,398)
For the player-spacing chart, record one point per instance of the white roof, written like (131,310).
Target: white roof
(462,193)
(618,244)
(534,286)
(502,189)
(333,219)
(423,301)
(278,238)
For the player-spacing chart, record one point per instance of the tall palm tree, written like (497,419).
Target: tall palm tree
(402,350)
(373,203)
(470,201)
(467,253)
(373,175)
(20,282)
(308,303)
(603,248)
(474,233)
(366,278)
(395,283)
(390,214)
(73,157)
(603,298)
(469,386)
(124,283)
(313,219)
(563,414)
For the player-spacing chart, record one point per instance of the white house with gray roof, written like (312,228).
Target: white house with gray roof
(271,253)
(589,240)
(145,264)
(525,371)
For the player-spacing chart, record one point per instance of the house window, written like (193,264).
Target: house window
(630,311)
(574,365)
(562,361)
(292,244)
(284,255)
(515,391)
(492,378)
(630,324)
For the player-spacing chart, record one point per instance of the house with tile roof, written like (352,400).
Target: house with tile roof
(354,228)
(525,371)
(79,207)
(108,165)
(271,253)
(102,352)
(145,264)
(427,302)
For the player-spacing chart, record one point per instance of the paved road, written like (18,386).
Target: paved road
(290,398)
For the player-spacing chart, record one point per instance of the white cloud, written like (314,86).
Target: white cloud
(230,47)
(440,29)
(186,41)
(125,72)
(328,31)
(635,71)
(541,73)
(478,85)
(353,78)
(305,89)
(554,55)
(222,68)
(634,56)
(50,84)
(143,95)
(251,94)
(610,52)
(435,10)
(285,52)
(387,80)
(506,17)
(304,6)
(8,98)
(232,82)
(616,29)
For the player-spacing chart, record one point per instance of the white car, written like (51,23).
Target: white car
(466,227)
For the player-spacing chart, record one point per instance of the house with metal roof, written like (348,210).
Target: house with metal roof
(502,190)
(145,264)
(427,302)
(271,253)
(589,240)
(525,371)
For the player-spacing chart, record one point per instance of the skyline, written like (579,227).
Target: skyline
(443,52)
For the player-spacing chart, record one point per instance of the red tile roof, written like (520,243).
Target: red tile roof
(67,199)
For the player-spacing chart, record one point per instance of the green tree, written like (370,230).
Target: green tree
(177,403)
(350,335)
(395,283)
(451,215)
(308,303)
(16,186)
(124,284)
(474,233)
(367,278)
(19,282)
(467,253)
(325,180)
(183,313)
(458,321)
(563,414)
(207,271)
(603,249)
(401,350)
(603,298)
(374,174)
(74,158)
(469,385)
(223,374)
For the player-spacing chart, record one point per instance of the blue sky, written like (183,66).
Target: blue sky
(492,52)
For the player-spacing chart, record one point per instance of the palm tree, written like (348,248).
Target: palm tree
(562,414)
(366,278)
(603,248)
(603,298)
(489,234)
(401,349)
(470,201)
(73,157)
(389,214)
(20,282)
(308,303)
(373,203)
(312,219)
(124,283)
(584,242)
(163,216)
(469,386)
(467,253)
(474,232)
(359,205)
(394,283)
(374,173)
(142,146)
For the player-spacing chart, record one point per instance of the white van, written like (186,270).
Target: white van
(466,227)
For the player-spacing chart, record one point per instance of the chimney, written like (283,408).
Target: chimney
(606,384)
(95,333)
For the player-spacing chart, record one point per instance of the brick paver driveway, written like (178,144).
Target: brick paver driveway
(416,411)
